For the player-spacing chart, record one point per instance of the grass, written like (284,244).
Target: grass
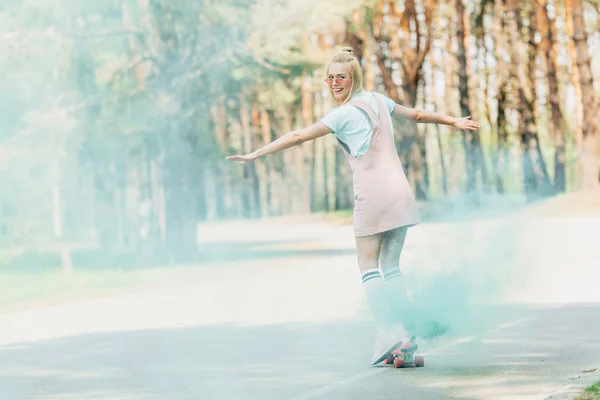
(20,290)
(591,393)
(595,388)
(44,287)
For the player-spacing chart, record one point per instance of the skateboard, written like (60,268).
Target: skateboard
(404,356)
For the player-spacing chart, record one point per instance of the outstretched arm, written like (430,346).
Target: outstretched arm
(422,116)
(286,141)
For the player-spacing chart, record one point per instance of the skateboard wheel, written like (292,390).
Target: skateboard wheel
(419,361)
(389,360)
(399,363)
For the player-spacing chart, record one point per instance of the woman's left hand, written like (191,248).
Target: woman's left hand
(466,124)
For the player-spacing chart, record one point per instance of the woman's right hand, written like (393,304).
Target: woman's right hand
(243,159)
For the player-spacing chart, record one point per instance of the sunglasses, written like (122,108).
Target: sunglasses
(338,80)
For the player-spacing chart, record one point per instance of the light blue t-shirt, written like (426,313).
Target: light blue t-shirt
(354,128)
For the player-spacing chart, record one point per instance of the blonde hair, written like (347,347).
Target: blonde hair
(346,56)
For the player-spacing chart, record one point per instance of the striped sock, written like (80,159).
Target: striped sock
(395,288)
(370,275)
(391,274)
(376,294)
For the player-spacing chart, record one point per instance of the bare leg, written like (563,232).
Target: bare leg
(368,249)
(391,250)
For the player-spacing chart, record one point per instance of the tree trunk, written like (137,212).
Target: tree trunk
(588,157)
(503,152)
(434,101)
(57,213)
(543,186)
(353,35)
(386,74)
(251,194)
(533,175)
(485,56)
(318,162)
(271,196)
(471,140)
(261,169)
(557,126)
(289,173)
(502,155)
(308,147)
(180,215)
(228,203)
(451,104)
(415,147)
(314,202)
(326,156)
(574,75)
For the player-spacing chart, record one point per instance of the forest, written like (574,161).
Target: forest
(117,115)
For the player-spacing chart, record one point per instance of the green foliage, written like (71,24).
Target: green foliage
(110,101)
(591,393)
(279,27)
(595,388)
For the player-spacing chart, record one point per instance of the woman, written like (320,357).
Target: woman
(384,206)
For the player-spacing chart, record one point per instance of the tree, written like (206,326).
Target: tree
(474,161)
(588,157)
(558,126)
(535,177)
(404,40)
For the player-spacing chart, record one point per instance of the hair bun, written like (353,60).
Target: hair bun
(348,50)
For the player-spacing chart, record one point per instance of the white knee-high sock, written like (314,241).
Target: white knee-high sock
(395,288)
(377,297)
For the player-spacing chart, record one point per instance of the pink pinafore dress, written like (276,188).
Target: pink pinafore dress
(383,198)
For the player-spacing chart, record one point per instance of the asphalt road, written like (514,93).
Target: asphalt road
(279,314)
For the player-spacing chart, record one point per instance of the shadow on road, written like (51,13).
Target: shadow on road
(283,361)
(541,355)
(202,362)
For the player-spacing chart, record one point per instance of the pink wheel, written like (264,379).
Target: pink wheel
(389,360)
(399,363)
(419,361)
